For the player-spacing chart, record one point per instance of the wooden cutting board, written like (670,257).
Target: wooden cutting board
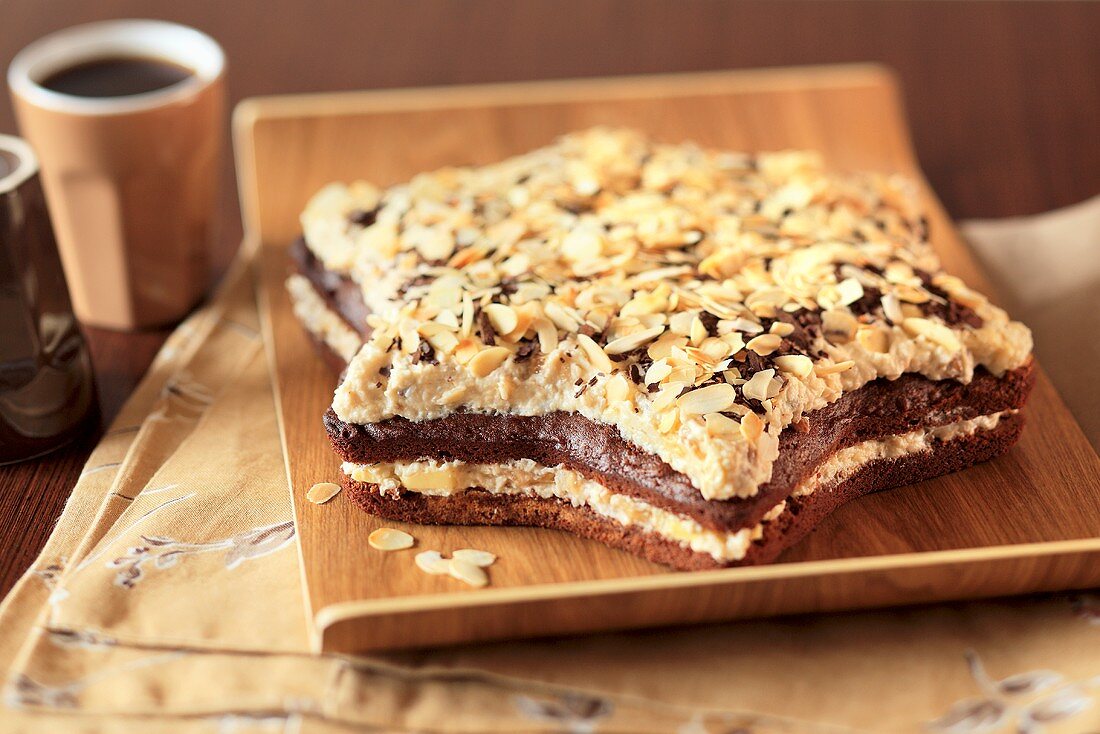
(1026,522)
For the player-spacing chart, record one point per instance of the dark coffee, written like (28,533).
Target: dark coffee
(116,77)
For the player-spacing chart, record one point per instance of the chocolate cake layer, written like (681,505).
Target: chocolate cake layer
(597,451)
(339,292)
(802,514)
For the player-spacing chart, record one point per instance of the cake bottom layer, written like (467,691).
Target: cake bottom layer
(784,526)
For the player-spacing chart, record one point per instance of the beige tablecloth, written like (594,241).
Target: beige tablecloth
(169,599)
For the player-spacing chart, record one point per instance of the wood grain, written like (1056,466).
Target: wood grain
(1003,99)
(1025,522)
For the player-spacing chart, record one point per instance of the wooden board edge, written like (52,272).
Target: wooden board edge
(261,259)
(1013,573)
(703,579)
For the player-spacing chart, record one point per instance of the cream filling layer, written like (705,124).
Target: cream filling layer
(528,478)
(321,321)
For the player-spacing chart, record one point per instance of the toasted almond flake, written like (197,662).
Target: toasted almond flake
(710,399)
(388,539)
(484,362)
(468,573)
(934,332)
(891,308)
(442,478)
(838,325)
(561,318)
(834,368)
(873,339)
(698,331)
(751,427)
(322,492)
(765,344)
(667,394)
(548,335)
(669,421)
(630,342)
(431,562)
(720,425)
(781,328)
(595,354)
(849,291)
(798,365)
(477,557)
(657,371)
(618,389)
(758,385)
(502,317)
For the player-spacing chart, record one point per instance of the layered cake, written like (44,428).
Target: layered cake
(691,355)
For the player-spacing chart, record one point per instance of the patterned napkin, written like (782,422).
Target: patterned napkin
(168,598)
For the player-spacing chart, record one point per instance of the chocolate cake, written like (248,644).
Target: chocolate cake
(691,355)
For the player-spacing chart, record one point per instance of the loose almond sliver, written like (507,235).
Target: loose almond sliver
(431,562)
(322,492)
(474,556)
(834,368)
(388,539)
(468,572)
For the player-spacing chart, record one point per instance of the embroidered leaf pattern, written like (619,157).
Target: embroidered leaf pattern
(1058,706)
(258,542)
(973,715)
(163,552)
(1014,700)
(1030,682)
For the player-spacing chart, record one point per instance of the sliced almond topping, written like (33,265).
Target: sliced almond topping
(468,572)
(595,354)
(431,562)
(781,328)
(388,539)
(838,325)
(709,399)
(758,385)
(630,342)
(873,339)
(657,371)
(934,332)
(698,331)
(798,365)
(891,307)
(765,344)
(751,427)
(474,556)
(548,335)
(322,492)
(849,291)
(669,421)
(720,425)
(487,360)
(618,389)
(503,318)
(667,394)
(834,368)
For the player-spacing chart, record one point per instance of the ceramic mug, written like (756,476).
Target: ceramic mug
(131,180)
(46,392)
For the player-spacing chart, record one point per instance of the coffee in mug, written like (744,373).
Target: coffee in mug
(127,119)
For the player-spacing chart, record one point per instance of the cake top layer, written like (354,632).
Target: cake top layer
(701,301)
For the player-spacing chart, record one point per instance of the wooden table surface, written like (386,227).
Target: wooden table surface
(1003,99)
